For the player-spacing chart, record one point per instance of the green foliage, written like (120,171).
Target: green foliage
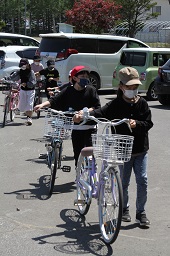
(2,24)
(135,12)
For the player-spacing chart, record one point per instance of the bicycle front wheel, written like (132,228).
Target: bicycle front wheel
(83,200)
(6,111)
(110,206)
(54,164)
(38,100)
(13,106)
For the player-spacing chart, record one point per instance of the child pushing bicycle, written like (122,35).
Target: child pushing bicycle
(129,104)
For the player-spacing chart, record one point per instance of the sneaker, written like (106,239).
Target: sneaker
(142,219)
(126,216)
(29,121)
(17,111)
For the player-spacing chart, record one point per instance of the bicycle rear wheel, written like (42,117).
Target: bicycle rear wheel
(54,163)
(6,111)
(110,206)
(83,200)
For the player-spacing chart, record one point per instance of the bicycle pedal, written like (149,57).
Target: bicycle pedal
(66,168)
(78,202)
(42,156)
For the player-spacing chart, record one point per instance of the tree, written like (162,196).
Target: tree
(93,16)
(135,13)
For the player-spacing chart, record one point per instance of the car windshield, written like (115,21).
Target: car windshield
(133,58)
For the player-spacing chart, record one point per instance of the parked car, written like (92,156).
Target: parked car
(11,55)
(147,62)
(7,39)
(100,52)
(162,84)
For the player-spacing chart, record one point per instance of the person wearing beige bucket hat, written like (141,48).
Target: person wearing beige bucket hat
(128,104)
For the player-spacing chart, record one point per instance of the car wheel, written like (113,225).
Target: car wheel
(151,95)
(94,80)
(164,99)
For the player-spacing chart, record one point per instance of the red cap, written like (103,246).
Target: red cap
(79,69)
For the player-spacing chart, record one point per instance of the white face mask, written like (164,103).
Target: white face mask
(130,94)
(36,63)
(24,67)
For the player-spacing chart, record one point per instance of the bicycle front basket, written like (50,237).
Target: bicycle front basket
(58,125)
(115,148)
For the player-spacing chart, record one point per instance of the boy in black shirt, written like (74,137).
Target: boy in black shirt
(51,74)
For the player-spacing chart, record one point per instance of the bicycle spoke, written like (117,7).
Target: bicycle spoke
(110,207)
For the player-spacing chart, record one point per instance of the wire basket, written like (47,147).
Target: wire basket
(112,147)
(58,125)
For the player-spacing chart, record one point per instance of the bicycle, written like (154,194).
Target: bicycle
(11,91)
(113,150)
(40,85)
(58,127)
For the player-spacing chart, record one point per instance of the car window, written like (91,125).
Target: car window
(110,46)
(29,53)
(5,41)
(54,44)
(2,54)
(28,42)
(84,45)
(134,44)
(133,58)
(159,59)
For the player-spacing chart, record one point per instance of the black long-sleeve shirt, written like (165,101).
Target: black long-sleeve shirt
(139,111)
(69,97)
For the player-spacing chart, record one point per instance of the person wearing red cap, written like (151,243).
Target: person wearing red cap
(51,75)
(77,96)
(27,91)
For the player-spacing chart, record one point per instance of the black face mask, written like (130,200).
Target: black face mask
(83,82)
(50,68)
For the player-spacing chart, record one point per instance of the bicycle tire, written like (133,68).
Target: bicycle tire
(39,101)
(110,206)
(82,194)
(54,163)
(6,111)
(13,106)
(60,156)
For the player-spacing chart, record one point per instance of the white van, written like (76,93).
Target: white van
(99,52)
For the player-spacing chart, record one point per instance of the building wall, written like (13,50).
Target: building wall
(165,10)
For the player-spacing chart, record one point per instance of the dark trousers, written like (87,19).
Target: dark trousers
(81,139)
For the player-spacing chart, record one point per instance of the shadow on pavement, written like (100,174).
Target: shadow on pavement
(84,237)
(40,191)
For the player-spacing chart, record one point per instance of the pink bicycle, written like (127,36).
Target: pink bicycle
(11,91)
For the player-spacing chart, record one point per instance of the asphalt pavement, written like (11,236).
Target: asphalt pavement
(32,223)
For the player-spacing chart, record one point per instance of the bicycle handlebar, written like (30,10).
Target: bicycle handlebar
(69,112)
(86,117)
